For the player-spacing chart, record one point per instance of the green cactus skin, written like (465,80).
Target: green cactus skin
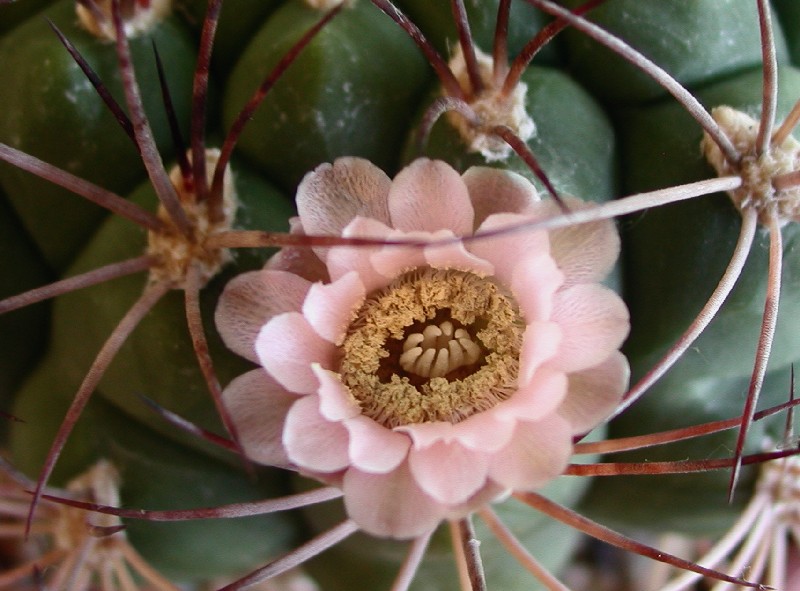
(351,92)
(52,112)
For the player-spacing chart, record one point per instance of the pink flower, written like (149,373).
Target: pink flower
(425,382)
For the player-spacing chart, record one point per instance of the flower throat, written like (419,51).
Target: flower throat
(434,345)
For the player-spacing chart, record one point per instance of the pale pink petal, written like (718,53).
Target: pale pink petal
(426,434)
(330,196)
(538,452)
(287,346)
(534,283)
(330,307)
(390,505)
(301,261)
(541,396)
(594,321)
(507,251)
(449,472)
(493,190)
(373,447)
(258,407)
(594,393)
(392,261)
(484,431)
(540,343)
(311,441)
(456,256)
(250,300)
(585,252)
(344,259)
(429,195)
(335,401)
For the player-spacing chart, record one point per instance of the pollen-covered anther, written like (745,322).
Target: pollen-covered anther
(175,252)
(493,109)
(438,350)
(757,171)
(435,345)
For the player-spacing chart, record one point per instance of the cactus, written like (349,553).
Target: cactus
(137,361)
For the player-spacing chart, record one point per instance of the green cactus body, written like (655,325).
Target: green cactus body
(158,360)
(359,89)
(47,101)
(350,93)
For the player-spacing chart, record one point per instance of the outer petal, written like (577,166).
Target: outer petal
(258,407)
(330,307)
(250,300)
(311,441)
(374,448)
(524,245)
(344,259)
(594,321)
(493,190)
(287,347)
(538,452)
(390,505)
(330,196)
(298,260)
(594,393)
(449,472)
(429,195)
(585,252)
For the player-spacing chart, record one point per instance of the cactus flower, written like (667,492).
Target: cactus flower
(425,382)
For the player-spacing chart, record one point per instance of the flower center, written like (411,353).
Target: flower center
(434,345)
(438,350)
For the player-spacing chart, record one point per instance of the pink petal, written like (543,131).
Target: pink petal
(540,343)
(594,393)
(426,434)
(373,447)
(258,407)
(429,195)
(301,261)
(493,190)
(335,401)
(330,307)
(392,261)
(344,259)
(585,252)
(535,281)
(250,300)
(538,453)
(332,195)
(456,256)
(449,472)
(540,397)
(311,441)
(287,346)
(390,505)
(484,431)
(594,321)
(523,244)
